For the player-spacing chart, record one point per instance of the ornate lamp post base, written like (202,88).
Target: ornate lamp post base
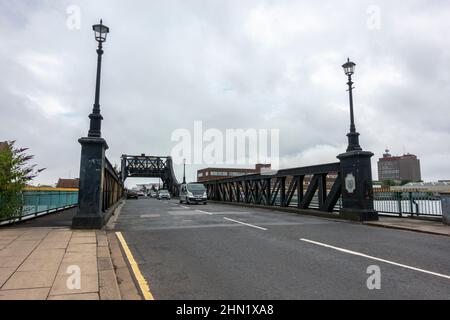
(89,213)
(357,188)
(353,142)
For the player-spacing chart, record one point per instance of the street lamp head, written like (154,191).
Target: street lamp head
(101,31)
(349,67)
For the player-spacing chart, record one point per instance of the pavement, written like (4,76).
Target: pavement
(43,259)
(228,252)
(413,224)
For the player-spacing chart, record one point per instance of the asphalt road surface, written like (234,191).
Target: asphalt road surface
(227,252)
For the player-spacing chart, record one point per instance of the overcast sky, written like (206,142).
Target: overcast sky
(231,64)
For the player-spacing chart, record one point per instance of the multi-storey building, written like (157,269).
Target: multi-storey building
(399,168)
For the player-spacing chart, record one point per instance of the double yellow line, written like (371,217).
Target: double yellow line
(145,289)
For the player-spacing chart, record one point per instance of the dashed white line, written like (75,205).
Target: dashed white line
(208,213)
(185,207)
(246,224)
(375,258)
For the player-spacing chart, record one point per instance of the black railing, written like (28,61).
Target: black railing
(400,203)
(112,186)
(298,187)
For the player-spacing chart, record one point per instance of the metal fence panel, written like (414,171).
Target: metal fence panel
(37,202)
(408,203)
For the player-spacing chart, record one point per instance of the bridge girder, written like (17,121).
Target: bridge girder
(150,167)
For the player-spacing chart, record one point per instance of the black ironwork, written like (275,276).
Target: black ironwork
(100,186)
(353,136)
(112,186)
(151,167)
(184,171)
(96,117)
(286,188)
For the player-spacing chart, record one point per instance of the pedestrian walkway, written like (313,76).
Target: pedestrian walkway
(56,264)
(417,225)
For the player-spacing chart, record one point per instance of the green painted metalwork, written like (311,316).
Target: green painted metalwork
(40,202)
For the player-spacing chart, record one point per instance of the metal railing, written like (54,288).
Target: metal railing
(41,202)
(399,203)
(316,187)
(112,186)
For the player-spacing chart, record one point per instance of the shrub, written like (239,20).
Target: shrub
(15,173)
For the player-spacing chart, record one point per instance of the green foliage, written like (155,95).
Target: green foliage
(388,183)
(15,173)
(405,182)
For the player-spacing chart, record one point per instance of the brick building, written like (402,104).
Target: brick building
(68,183)
(211,174)
(399,168)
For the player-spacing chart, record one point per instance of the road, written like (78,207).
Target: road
(227,252)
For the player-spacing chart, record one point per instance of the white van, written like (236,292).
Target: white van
(193,193)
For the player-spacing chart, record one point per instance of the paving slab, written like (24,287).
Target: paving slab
(19,244)
(83,240)
(11,262)
(30,280)
(5,273)
(25,294)
(88,284)
(86,267)
(54,244)
(81,296)
(44,253)
(37,264)
(32,235)
(80,234)
(83,248)
(15,252)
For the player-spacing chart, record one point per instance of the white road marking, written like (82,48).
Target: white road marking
(246,224)
(375,258)
(208,213)
(224,213)
(150,216)
(185,207)
(184,213)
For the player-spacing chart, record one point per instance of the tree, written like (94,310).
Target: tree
(15,172)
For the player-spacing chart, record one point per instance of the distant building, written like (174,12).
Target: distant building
(399,168)
(68,183)
(211,174)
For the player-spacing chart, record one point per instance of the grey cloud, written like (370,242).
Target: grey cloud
(232,64)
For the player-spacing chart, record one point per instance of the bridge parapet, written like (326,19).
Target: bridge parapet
(344,187)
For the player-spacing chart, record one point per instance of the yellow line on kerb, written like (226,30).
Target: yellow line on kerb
(137,273)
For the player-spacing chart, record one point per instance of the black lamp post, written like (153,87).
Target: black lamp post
(90,213)
(353,136)
(101,32)
(356,169)
(184,171)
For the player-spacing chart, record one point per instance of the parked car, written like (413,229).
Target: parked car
(141,194)
(132,194)
(163,194)
(193,193)
(152,194)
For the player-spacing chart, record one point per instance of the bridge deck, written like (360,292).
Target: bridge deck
(227,252)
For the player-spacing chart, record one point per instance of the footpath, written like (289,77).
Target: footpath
(44,259)
(413,224)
